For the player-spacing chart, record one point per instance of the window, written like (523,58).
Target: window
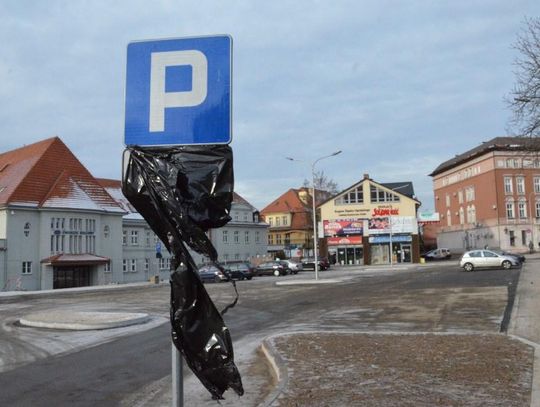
(512,237)
(278,221)
(27,229)
(107,267)
(164,263)
(270,221)
(148,240)
(225,236)
(508,185)
(536,185)
(448,218)
(257,236)
(520,185)
(270,239)
(461,216)
(134,237)
(510,210)
(524,237)
(106,231)
(146,264)
(246,237)
(278,239)
(469,194)
(537,209)
(124,237)
(380,195)
(447,200)
(353,196)
(125,265)
(26,267)
(236,236)
(133,266)
(235,216)
(522,210)
(284,220)
(460,196)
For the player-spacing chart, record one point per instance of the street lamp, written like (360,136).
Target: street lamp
(315,261)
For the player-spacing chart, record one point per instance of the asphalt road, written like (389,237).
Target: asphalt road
(106,370)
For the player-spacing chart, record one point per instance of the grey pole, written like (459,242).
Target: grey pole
(177,378)
(313,208)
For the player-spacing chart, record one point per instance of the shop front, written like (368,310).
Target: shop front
(380,249)
(346,250)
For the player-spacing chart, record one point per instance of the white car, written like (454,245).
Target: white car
(293,266)
(487,258)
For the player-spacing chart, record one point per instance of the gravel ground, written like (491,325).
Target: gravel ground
(405,370)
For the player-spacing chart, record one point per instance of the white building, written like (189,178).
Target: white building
(60,227)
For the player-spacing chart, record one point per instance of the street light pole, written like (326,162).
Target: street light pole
(315,261)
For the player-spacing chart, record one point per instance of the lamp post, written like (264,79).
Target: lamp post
(315,261)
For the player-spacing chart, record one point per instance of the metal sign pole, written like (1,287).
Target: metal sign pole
(177,378)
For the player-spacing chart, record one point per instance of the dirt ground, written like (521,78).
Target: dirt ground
(405,370)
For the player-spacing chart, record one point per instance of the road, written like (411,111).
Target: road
(47,367)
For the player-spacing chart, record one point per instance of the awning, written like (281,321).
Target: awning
(75,260)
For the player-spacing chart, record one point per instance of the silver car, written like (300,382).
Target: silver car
(486,258)
(294,266)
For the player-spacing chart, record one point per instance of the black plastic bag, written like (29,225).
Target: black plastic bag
(181,192)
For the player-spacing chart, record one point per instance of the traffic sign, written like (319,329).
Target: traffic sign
(178,91)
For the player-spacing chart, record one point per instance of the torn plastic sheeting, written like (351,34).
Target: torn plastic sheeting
(182,192)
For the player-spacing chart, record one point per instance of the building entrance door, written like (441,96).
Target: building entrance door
(405,253)
(71,276)
(350,255)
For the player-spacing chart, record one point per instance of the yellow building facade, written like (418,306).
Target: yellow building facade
(371,223)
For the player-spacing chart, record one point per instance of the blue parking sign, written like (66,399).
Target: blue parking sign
(178,91)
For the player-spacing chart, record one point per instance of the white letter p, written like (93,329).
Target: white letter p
(160,99)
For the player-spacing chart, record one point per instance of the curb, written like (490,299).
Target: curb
(7,297)
(83,321)
(279,368)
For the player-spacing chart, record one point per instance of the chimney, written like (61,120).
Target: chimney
(366,176)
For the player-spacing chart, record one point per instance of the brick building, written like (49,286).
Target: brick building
(489,196)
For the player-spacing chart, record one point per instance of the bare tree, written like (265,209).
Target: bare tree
(322,183)
(524,100)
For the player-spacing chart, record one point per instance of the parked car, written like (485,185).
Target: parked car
(309,263)
(239,271)
(438,254)
(212,273)
(487,258)
(271,268)
(294,266)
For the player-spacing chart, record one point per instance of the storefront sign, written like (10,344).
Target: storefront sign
(353,212)
(337,241)
(377,212)
(428,217)
(342,227)
(399,224)
(386,239)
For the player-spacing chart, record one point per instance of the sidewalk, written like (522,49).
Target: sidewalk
(377,369)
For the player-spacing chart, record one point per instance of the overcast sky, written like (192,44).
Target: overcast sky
(398,86)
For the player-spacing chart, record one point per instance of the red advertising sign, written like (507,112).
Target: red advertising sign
(343,227)
(336,241)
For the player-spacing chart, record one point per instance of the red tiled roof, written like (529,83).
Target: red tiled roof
(288,202)
(47,174)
